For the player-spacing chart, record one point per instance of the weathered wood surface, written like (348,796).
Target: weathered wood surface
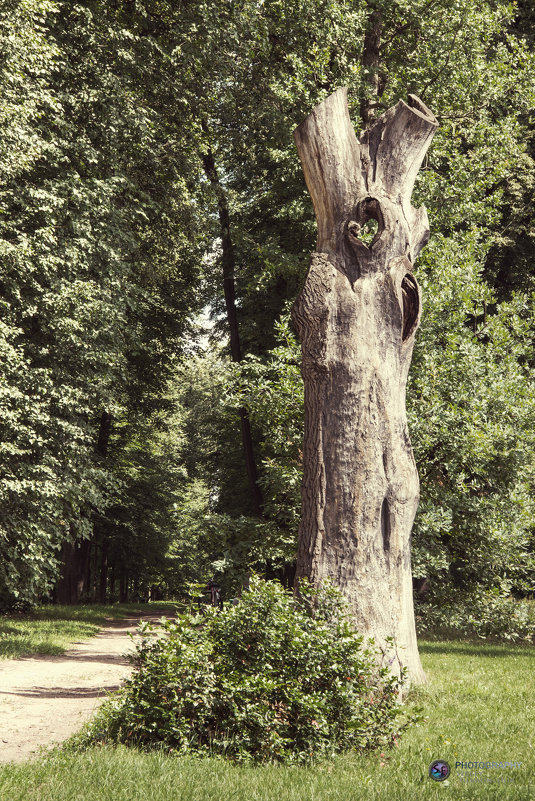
(356,317)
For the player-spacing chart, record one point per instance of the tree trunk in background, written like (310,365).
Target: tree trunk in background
(104,432)
(123,588)
(229,291)
(72,583)
(112,583)
(356,317)
(99,528)
(76,557)
(103,576)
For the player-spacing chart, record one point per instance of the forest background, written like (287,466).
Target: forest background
(155,229)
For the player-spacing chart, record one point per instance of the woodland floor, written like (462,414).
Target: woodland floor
(44,699)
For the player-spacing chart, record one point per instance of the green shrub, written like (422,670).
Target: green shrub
(271,679)
(482,613)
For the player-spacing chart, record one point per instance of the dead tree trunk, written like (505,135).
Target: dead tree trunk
(356,317)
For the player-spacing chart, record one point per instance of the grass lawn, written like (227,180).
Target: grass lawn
(480,706)
(51,629)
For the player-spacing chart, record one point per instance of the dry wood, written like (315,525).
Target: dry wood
(356,317)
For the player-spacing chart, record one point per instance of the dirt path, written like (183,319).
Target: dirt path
(45,699)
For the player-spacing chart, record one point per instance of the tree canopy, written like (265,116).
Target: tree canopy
(148,173)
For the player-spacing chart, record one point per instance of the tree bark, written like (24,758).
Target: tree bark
(356,317)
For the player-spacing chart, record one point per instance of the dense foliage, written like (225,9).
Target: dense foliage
(270,679)
(148,172)
(471,392)
(97,281)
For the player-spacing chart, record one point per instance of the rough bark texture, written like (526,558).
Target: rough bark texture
(356,317)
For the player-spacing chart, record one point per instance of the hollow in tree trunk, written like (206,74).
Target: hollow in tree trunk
(356,318)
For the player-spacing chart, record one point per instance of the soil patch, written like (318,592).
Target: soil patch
(44,699)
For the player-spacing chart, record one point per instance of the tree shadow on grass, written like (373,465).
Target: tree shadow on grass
(5,628)
(455,648)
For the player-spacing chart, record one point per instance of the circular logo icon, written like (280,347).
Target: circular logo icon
(439,770)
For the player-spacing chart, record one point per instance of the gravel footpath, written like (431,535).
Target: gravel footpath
(45,699)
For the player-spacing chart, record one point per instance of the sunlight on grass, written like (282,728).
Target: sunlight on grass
(479,705)
(52,629)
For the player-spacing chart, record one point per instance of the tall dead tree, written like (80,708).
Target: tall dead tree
(356,317)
